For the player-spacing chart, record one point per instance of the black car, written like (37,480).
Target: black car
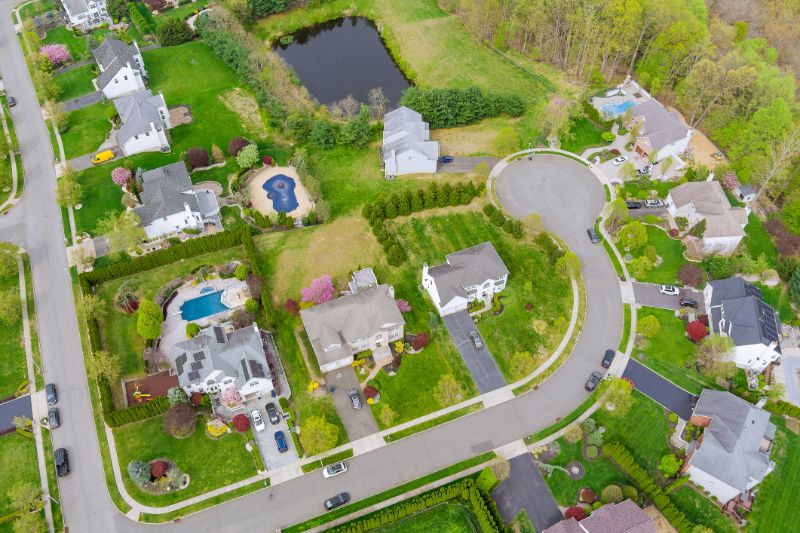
(608,358)
(688,302)
(11,101)
(337,501)
(272,413)
(633,205)
(62,462)
(53,418)
(446,159)
(593,381)
(52,395)
(355,399)
(593,236)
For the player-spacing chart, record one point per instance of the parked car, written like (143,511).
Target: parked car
(280,440)
(53,418)
(334,470)
(446,159)
(669,290)
(272,413)
(102,157)
(633,205)
(476,339)
(618,161)
(337,501)
(62,462)
(52,394)
(653,203)
(355,399)
(608,358)
(688,302)
(11,101)
(258,422)
(593,381)
(718,156)
(593,236)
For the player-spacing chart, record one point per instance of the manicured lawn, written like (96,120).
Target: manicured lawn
(29,10)
(13,369)
(445,518)
(88,128)
(758,240)
(183,12)
(75,82)
(18,464)
(76,45)
(584,134)
(100,197)
(670,352)
(671,253)
(701,510)
(599,474)
(631,190)
(210,463)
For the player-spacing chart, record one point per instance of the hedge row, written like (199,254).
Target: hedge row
(137,19)
(154,407)
(405,203)
(779,407)
(464,490)
(641,477)
(450,107)
(511,226)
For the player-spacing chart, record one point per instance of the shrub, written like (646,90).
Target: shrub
(197,157)
(323,135)
(241,272)
(587,495)
(486,480)
(150,319)
(573,434)
(197,398)
(132,414)
(673,232)
(57,54)
(420,341)
(121,176)
(236,144)
(595,438)
(267,160)
(176,395)
(158,469)
(174,31)
(670,465)
(691,275)
(292,307)
(673,418)
(192,330)
(370,392)
(591,452)
(251,306)
(241,423)
(597,505)
(589,425)
(139,472)
(630,493)
(180,420)
(578,513)
(611,494)
(608,136)
(720,267)
(248,156)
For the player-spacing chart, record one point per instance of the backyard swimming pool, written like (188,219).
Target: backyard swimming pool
(203,306)
(280,189)
(615,110)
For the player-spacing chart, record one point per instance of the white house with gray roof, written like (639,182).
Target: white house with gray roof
(145,121)
(662,134)
(121,68)
(171,204)
(216,360)
(86,14)
(733,454)
(736,309)
(365,320)
(476,273)
(407,148)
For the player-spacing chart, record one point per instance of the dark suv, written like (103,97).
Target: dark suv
(608,358)
(593,236)
(272,413)
(52,395)
(337,501)
(53,418)
(593,381)
(688,302)
(62,462)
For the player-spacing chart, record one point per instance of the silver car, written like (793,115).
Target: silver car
(476,339)
(334,470)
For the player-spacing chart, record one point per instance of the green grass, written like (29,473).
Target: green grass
(449,417)
(583,134)
(32,319)
(76,45)
(671,253)
(445,518)
(52,480)
(626,328)
(75,82)
(182,12)
(599,474)
(13,368)
(30,10)
(88,128)
(778,297)
(564,422)
(631,191)
(101,196)
(700,510)
(522,523)
(670,352)
(758,241)
(210,463)
(335,458)
(18,464)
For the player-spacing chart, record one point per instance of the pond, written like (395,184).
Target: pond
(343,57)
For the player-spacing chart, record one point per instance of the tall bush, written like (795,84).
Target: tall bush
(447,108)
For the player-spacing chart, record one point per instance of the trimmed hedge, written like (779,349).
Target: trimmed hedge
(450,107)
(779,407)
(140,412)
(641,477)
(681,481)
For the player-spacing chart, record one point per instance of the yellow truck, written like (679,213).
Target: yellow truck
(102,157)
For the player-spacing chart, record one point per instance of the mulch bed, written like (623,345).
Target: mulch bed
(580,470)
(154,384)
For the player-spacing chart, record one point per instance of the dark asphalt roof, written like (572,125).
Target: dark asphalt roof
(165,191)
(112,55)
(748,319)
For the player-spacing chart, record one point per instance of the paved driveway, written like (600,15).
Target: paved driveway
(83,162)
(659,389)
(648,294)
(17,407)
(266,439)
(791,373)
(480,362)
(464,164)
(644,211)
(524,488)
(83,101)
(357,423)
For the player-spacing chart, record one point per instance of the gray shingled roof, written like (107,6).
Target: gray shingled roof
(465,268)
(404,129)
(112,55)
(730,450)
(136,112)
(239,355)
(348,319)
(76,7)
(749,320)
(624,517)
(709,200)
(165,191)
(660,126)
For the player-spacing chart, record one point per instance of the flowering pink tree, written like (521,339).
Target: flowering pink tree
(731,180)
(403,306)
(56,53)
(121,176)
(320,291)
(231,398)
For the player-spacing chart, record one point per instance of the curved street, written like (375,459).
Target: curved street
(568,197)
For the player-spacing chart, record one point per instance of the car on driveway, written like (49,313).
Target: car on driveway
(633,205)
(258,422)
(280,440)
(593,236)
(52,394)
(272,413)
(688,302)
(355,399)
(337,501)
(608,358)
(334,470)
(446,159)
(618,161)
(593,381)
(62,462)
(669,290)
(53,418)
(653,203)
(476,339)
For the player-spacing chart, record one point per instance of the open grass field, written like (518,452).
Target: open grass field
(18,464)
(100,197)
(445,518)
(13,369)
(88,128)
(77,46)
(671,253)
(210,463)
(75,82)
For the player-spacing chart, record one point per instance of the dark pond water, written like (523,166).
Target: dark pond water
(341,57)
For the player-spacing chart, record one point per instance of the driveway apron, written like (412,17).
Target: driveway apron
(480,362)
(524,488)
(17,407)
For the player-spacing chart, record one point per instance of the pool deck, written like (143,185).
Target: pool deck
(258,196)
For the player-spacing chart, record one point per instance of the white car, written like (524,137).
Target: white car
(653,203)
(334,470)
(669,290)
(258,422)
(618,161)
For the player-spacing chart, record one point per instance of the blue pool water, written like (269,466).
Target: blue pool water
(615,110)
(280,189)
(203,306)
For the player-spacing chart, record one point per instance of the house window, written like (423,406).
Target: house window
(136,137)
(116,81)
(126,78)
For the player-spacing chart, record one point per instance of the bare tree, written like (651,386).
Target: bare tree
(773,177)
(377,102)
(346,107)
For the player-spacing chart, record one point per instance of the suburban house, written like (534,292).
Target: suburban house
(216,360)
(407,148)
(705,200)
(476,273)
(145,121)
(736,309)
(732,455)
(623,517)
(86,14)
(365,320)
(121,68)
(171,204)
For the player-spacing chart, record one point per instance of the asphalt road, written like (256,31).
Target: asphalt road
(524,488)
(569,202)
(660,390)
(480,362)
